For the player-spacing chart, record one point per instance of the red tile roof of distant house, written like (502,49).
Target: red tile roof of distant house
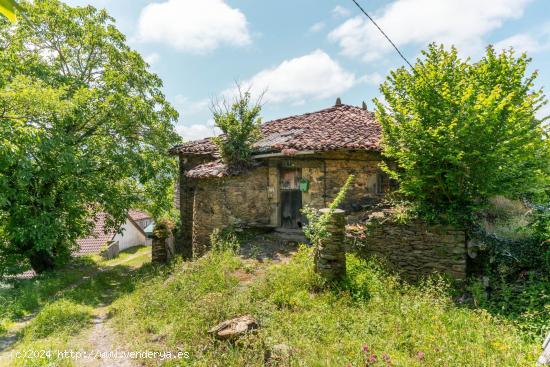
(138,214)
(341,127)
(99,236)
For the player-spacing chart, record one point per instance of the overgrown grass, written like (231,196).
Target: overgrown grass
(50,332)
(371,313)
(25,296)
(68,312)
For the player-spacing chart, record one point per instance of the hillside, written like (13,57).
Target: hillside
(372,319)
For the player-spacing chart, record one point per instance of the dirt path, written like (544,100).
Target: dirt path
(8,340)
(102,344)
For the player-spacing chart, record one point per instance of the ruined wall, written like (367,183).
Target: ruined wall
(234,200)
(414,249)
(185,193)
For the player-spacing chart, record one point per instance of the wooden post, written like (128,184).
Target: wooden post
(330,260)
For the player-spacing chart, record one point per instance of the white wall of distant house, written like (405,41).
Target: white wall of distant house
(131,236)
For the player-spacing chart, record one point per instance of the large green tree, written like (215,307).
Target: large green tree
(459,132)
(84,127)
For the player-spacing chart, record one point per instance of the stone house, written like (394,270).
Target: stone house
(300,160)
(304,160)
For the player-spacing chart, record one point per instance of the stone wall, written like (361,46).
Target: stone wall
(234,200)
(185,193)
(327,173)
(414,249)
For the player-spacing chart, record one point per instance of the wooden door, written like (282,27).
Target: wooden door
(291,198)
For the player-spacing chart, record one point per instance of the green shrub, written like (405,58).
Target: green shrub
(459,132)
(222,240)
(240,123)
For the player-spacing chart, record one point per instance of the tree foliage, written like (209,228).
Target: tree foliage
(240,123)
(84,127)
(460,132)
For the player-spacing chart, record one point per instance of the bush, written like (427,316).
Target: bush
(224,240)
(461,132)
(240,124)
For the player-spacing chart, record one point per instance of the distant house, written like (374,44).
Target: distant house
(143,219)
(145,222)
(129,234)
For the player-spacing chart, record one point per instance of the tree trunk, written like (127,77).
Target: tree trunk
(41,261)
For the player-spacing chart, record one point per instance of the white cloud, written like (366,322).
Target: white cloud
(522,42)
(194,26)
(312,76)
(419,22)
(526,42)
(373,79)
(152,58)
(317,27)
(188,107)
(197,131)
(341,11)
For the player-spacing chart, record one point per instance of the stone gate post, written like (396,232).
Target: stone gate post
(330,260)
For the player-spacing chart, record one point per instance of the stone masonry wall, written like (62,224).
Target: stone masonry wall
(327,173)
(415,249)
(234,200)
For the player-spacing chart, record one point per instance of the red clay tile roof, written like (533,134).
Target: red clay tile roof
(138,214)
(99,236)
(341,127)
(216,169)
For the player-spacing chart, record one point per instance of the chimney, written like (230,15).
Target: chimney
(364,106)
(338,102)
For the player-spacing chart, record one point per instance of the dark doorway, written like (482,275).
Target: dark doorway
(291,198)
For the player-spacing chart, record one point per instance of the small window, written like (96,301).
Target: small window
(381,180)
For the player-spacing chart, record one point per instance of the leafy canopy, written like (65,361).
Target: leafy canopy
(240,123)
(460,132)
(84,127)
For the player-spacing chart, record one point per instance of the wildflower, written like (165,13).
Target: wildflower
(420,355)
(365,348)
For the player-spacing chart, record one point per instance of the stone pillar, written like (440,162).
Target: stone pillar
(185,235)
(161,249)
(330,259)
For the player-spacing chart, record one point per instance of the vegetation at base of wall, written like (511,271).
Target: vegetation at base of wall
(525,301)
(459,132)
(515,264)
(372,316)
(239,122)
(222,240)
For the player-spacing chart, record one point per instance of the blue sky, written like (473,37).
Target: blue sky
(306,53)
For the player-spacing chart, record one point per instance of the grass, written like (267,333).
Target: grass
(67,312)
(370,314)
(25,296)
